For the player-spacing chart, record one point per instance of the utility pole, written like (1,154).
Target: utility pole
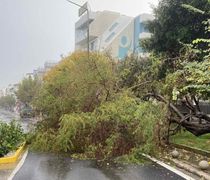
(82,10)
(88,34)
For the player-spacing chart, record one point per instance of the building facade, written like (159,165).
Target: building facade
(112,32)
(40,72)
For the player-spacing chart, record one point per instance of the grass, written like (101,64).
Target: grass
(188,139)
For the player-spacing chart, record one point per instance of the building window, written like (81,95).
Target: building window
(143,28)
(110,37)
(113,26)
(93,45)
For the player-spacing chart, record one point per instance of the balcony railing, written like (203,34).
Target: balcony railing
(80,35)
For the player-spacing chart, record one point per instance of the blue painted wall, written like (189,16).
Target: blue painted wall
(139,28)
(124,47)
(126,43)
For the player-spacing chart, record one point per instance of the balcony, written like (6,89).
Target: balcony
(81,36)
(83,21)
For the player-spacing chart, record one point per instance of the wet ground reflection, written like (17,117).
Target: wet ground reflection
(55,167)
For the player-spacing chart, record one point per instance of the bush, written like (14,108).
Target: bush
(11,136)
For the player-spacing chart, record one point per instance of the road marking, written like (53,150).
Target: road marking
(176,171)
(20,164)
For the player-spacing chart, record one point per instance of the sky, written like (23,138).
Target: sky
(33,32)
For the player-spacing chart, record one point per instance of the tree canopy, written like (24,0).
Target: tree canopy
(7,102)
(27,89)
(76,84)
(174,25)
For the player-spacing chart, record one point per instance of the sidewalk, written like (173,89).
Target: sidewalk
(188,162)
(6,170)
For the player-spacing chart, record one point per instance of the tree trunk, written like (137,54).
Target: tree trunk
(197,122)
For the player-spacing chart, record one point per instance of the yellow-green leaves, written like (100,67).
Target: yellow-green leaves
(76,84)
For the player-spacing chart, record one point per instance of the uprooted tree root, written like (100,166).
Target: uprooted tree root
(195,121)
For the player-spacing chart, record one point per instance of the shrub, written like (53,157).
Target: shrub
(42,140)
(11,136)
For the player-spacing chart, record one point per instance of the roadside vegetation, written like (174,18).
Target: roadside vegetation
(11,137)
(7,102)
(27,90)
(115,128)
(100,108)
(188,139)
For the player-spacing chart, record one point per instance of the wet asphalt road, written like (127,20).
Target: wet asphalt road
(7,116)
(53,167)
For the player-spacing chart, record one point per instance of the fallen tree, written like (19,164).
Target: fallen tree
(195,121)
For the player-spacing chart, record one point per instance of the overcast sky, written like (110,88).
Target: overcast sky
(36,31)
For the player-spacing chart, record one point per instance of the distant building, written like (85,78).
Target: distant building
(49,65)
(112,32)
(11,90)
(39,72)
(1,92)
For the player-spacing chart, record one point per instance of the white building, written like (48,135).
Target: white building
(40,72)
(2,92)
(10,90)
(112,32)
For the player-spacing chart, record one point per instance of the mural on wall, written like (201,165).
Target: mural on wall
(124,47)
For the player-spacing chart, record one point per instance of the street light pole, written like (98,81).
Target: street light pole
(88,34)
(84,8)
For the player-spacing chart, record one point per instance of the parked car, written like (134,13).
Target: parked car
(27,112)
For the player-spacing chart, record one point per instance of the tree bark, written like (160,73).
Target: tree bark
(191,122)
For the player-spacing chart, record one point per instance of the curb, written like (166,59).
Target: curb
(192,149)
(191,169)
(20,164)
(14,158)
(172,169)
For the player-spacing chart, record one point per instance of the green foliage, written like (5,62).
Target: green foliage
(111,130)
(152,115)
(193,9)
(142,75)
(76,84)
(129,70)
(191,78)
(27,89)
(197,77)
(175,23)
(42,140)
(197,74)
(11,136)
(202,44)
(74,129)
(188,139)
(7,102)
